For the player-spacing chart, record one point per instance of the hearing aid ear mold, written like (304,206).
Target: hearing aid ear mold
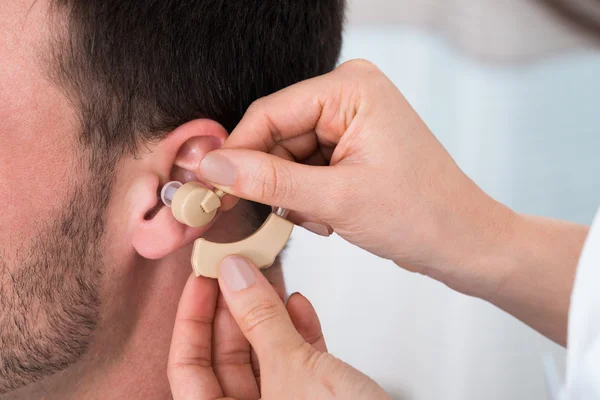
(168,191)
(195,205)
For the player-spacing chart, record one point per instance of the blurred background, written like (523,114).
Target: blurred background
(512,89)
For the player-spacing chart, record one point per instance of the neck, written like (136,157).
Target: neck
(128,355)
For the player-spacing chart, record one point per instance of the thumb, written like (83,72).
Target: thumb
(257,308)
(268,179)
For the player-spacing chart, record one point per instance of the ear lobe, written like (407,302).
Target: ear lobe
(158,237)
(162,235)
(155,234)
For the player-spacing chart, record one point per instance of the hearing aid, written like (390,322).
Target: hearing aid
(195,205)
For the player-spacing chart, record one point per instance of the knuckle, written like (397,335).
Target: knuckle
(258,315)
(232,356)
(360,64)
(174,370)
(255,106)
(258,112)
(312,338)
(202,357)
(365,75)
(276,185)
(311,359)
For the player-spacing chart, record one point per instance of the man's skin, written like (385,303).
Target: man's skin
(90,275)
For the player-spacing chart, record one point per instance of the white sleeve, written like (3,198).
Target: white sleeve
(583,350)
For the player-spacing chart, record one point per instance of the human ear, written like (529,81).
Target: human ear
(155,231)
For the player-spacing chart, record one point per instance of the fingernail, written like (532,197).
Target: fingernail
(218,169)
(237,273)
(317,228)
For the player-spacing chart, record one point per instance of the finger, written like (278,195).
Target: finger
(257,309)
(327,153)
(231,356)
(189,366)
(299,147)
(311,105)
(274,275)
(255,367)
(282,152)
(305,319)
(310,224)
(228,202)
(303,149)
(268,179)
(317,158)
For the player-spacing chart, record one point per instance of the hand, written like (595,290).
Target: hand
(348,153)
(249,345)
(389,187)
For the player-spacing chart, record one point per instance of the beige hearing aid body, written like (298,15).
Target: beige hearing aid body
(195,205)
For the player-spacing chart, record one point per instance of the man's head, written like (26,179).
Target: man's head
(101,103)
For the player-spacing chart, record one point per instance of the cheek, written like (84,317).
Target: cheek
(38,158)
(118,250)
(37,128)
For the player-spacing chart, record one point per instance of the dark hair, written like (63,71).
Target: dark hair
(139,68)
(578,15)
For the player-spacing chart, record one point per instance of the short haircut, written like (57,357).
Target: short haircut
(137,69)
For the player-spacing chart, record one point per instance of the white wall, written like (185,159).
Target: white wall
(498,30)
(529,136)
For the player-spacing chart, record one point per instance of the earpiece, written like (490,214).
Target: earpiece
(195,205)
(192,204)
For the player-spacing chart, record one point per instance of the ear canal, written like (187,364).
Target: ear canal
(194,205)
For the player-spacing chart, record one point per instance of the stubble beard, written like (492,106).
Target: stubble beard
(49,292)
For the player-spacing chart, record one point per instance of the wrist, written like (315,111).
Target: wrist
(538,275)
(466,248)
(522,264)
(480,258)
(468,235)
